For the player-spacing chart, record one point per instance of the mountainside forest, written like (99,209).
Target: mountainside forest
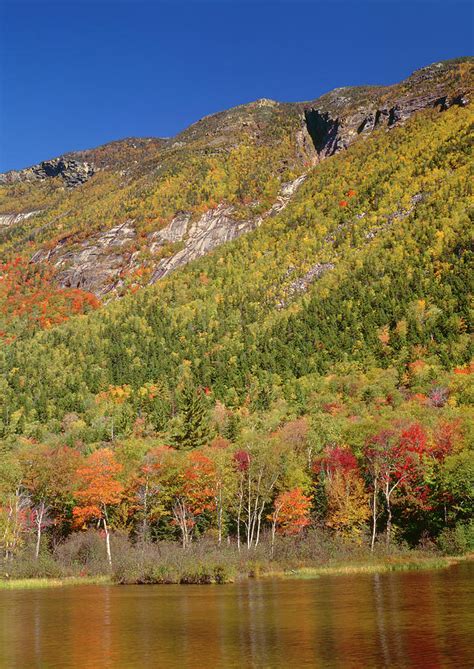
(258,332)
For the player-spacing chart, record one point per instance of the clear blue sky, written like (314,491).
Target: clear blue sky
(76,74)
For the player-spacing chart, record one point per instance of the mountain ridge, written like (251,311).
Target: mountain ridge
(126,214)
(136,142)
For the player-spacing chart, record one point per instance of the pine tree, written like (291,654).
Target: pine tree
(193,427)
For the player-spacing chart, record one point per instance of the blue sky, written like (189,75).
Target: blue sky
(79,73)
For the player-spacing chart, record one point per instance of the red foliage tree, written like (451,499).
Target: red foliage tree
(290,515)
(394,460)
(28,296)
(336,458)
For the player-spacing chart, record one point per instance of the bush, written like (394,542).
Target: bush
(167,562)
(26,566)
(457,540)
(85,552)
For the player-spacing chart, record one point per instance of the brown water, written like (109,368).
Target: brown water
(412,619)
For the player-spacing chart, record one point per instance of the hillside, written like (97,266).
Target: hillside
(126,214)
(280,276)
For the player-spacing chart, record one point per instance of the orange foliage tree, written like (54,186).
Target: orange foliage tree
(195,492)
(29,298)
(290,515)
(98,489)
(48,478)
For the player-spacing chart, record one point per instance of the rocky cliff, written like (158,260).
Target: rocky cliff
(157,204)
(337,119)
(71,172)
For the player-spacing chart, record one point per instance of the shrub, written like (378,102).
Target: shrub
(26,566)
(458,539)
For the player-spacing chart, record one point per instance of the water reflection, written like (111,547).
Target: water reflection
(418,619)
(380,610)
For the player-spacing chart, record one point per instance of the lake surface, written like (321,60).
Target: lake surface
(411,619)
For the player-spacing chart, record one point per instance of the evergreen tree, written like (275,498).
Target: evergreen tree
(193,427)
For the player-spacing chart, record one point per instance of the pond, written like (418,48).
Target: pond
(394,620)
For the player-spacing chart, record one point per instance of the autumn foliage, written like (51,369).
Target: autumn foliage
(98,486)
(291,511)
(29,299)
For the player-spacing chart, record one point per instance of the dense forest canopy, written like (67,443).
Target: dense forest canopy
(315,372)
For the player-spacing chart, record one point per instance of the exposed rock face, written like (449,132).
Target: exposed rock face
(173,232)
(324,131)
(7,220)
(96,265)
(72,172)
(214,228)
(338,121)
(302,284)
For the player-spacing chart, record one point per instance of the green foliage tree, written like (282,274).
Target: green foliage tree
(192,427)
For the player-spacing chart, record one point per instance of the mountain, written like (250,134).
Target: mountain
(345,223)
(260,326)
(128,213)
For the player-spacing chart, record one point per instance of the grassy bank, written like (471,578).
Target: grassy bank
(82,560)
(378,567)
(208,576)
(35,583)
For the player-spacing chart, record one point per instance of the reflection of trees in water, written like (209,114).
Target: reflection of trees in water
(408,610)
(399,621)
(257,635)
(106,632)
(424,608)
(228,627)
(396,607)
(37,636)
(380,612)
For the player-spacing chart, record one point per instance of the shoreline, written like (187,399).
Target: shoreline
(299,573)
(378,567)
(53,582)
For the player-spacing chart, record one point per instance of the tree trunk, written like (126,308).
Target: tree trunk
(249,515)
(39,522)
(107,540)
(239,513)
(389,517)
(374,516)
(257,539)
(180,516)
(273,537)
(219,516)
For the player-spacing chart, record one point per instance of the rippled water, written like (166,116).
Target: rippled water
(412,619)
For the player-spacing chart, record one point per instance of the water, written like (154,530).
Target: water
(411,619)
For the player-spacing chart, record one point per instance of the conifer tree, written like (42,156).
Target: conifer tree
(193,428)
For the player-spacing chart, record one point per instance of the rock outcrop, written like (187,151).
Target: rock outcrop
(302,283)
(338,118)
(99,263)
(72,172)
(212,229)
(96,264)
(8,220)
